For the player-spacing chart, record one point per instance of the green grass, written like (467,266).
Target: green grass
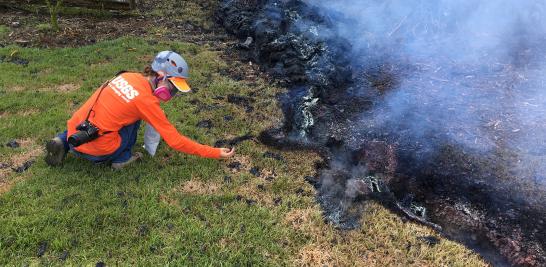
(101,215)
(4,31)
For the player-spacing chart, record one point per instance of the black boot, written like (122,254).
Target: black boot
(55,152)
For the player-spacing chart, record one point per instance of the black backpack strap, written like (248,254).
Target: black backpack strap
(101,88)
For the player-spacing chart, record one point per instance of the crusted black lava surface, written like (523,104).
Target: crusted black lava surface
(485,200)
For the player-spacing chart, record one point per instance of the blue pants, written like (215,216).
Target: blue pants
(128,136)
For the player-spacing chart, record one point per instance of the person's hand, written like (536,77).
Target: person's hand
(226,152)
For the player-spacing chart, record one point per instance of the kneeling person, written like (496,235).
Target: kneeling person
(105,128)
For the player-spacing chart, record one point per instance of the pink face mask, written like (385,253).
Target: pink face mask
(163,93)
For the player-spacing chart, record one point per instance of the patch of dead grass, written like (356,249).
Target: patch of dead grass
(196,187)
(191,187)
(245,162)
(68,87)
(315,255)
(383,240)
(250,191)
(20,113)
(16,88)
(63,88)
(168,200)
(6,185)
(303,220)
(30,152)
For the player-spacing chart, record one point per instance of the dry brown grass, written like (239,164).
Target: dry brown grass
(20,113)
(67,87)
(6,185)
(191,187)
(196,187)
(315,255)
(30,152)
(383,240)
(16,88)
(63,88)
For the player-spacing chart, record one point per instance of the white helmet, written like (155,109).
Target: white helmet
(172,64)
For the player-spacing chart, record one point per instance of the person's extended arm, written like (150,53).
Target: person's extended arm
(152,113)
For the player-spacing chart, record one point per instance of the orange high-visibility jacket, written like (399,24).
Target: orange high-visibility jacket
(125,100)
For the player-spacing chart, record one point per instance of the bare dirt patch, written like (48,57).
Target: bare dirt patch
(80,30)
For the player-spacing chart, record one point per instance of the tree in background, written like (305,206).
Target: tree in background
(54,6)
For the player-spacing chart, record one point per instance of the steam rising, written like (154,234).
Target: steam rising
(473,72)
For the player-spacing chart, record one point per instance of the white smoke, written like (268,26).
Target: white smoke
(477,69)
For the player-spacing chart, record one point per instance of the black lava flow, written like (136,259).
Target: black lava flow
(451,192)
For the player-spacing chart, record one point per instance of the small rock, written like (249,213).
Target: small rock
(142,230)
(234,165)
(15,24)
(100,264)
(256,171)
(242,101)
(272,155)
(4,165)
(312,180)
(23,167)
(13,144)
(243,228)
(205,124)
(42,247)
(22,42)
(247,43)
(429,240)
(64,255)
(234,141)
(19,61)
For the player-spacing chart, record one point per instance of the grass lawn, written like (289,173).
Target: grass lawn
(173,209)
